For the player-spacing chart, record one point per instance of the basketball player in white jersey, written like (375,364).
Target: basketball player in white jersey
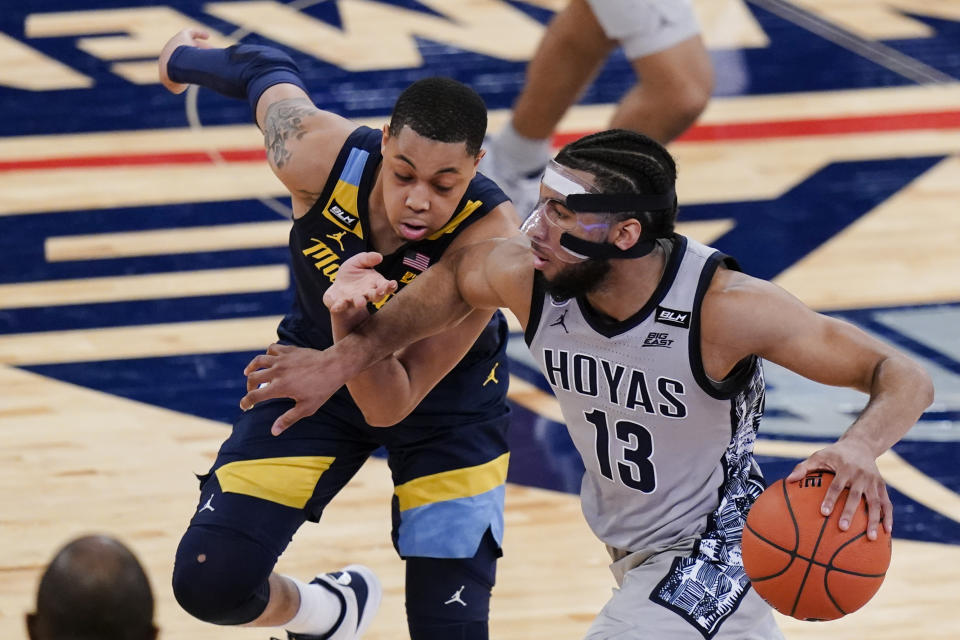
(652,343)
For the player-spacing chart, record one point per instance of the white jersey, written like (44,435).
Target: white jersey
(668,452)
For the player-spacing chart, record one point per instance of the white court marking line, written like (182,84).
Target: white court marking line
(178,240)
(876,52)
(149,286)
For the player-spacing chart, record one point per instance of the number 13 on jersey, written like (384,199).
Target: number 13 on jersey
(633,448)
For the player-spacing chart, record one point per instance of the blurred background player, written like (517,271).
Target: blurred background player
(661,38)
(410,192)
(93,589)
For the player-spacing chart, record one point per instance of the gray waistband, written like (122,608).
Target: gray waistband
(624,561)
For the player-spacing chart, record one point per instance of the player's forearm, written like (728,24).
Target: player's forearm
(386,378)
(371,388)
(427,306)
(900,391)
(343,322)
(409,375)
(241,71)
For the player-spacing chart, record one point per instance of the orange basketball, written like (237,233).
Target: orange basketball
(801,562)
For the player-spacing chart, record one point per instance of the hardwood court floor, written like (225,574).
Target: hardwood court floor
(125,467)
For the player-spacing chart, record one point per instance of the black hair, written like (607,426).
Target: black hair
(628,162)
(442,109)
(95,588)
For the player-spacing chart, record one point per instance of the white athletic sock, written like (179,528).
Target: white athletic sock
(319,609)
(520,154)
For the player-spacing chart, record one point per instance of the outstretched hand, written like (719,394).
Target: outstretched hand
(306,376)
(855,468)
(357,284)
(190,37)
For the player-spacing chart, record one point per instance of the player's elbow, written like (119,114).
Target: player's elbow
(909,375)
(925,390)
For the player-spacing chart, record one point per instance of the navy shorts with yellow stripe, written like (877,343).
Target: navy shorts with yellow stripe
(449,480)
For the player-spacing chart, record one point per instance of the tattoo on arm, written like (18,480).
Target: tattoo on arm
(284,120)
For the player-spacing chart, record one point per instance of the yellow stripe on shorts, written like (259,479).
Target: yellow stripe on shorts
(450,485)
(287,481)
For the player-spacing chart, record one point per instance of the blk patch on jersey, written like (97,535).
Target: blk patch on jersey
(340,214)
(673,317)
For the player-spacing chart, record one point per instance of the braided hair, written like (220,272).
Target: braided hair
(442,109)
(627,162)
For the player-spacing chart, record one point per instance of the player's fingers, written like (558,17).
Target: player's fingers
(330,298)
(386,287)
(879,510)
(886,506)
(361,261)
(262,361)
(803,468)
(199,39)
(832,495)
(277,349)
(257,378)
(874,514)
(253,397)
(335,300)
(850,506)
(375,294)
(287,420)
(369,259)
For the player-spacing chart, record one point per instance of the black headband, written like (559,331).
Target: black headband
(605,250)
(620,202)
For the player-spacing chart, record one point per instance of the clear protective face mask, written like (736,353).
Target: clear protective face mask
(553,212)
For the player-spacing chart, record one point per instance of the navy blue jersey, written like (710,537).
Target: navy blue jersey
(337,227)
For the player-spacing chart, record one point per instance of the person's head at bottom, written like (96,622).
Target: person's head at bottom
(93,589)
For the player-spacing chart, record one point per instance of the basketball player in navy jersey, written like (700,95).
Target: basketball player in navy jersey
(410,193)
(652,344)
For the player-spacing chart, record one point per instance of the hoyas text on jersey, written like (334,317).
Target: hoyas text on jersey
(625,387)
